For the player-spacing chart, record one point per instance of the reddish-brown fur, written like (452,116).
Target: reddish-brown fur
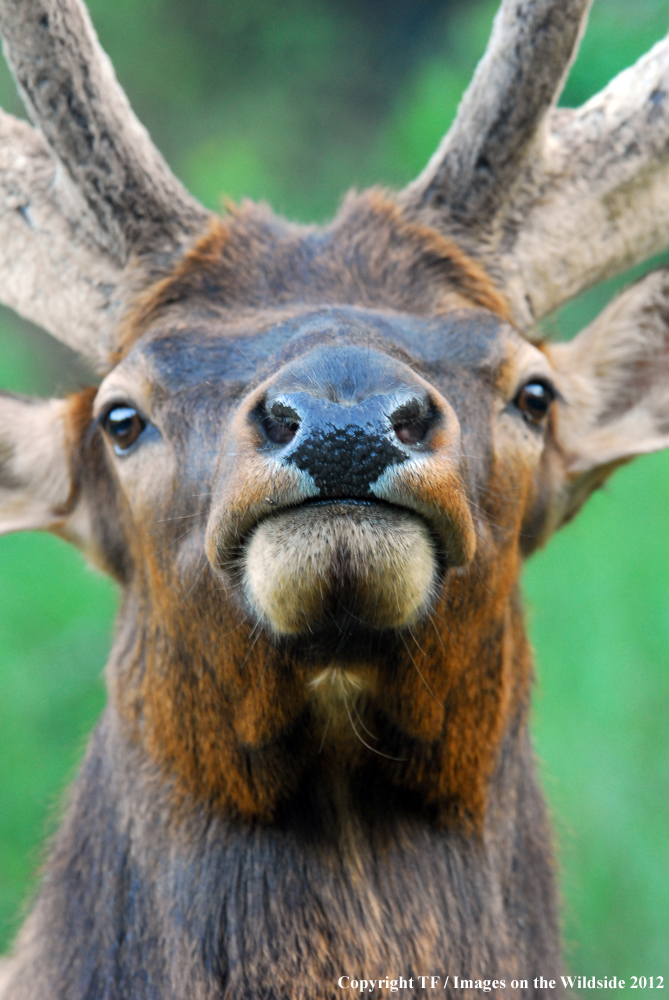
(455,722)
(397,264)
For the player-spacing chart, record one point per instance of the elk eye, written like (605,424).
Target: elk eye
(123,424)
(534,401)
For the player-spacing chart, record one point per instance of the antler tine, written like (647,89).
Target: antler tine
(551,200)
(518,80)
(593,198)
(77,208)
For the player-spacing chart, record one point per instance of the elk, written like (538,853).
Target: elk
(315,464)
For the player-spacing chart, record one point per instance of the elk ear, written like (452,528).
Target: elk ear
(36,446)
(614,377)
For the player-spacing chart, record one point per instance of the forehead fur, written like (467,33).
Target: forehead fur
(370,256)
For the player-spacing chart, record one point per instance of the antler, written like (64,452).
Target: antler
(518,79)
(87,193)
(552,200)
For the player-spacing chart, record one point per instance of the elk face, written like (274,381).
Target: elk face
(358,470)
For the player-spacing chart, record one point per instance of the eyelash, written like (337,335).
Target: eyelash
(131,425)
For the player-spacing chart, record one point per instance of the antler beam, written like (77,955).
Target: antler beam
(552,200)
(593,198)
(86,195)
(48,272)
(69,87)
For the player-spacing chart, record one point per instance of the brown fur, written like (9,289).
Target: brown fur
(79,415)
(241,256)
(203,718)
(207,717)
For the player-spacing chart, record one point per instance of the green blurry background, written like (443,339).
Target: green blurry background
(294,102)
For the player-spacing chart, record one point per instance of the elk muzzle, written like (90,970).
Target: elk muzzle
(341,493)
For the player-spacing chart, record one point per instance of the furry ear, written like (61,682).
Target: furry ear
(614,377)
(53,477)
(36,479)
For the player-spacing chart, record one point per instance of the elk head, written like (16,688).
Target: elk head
(317,458)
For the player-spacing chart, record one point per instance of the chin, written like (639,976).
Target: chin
(312,566)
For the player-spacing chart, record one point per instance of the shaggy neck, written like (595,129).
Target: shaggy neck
(248,726)
(283,909)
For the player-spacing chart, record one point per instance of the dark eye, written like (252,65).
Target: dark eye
(534,401)
(123,424)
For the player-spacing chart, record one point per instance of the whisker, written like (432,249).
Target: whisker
(411,633)
(373,749)
(361,721)
(226,634)
(434,626)
(181,517)
(325,731)
(419,672)
(178,538)
(257,629)
(203,560)
(480,575)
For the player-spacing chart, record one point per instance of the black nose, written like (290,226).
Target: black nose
(351,421)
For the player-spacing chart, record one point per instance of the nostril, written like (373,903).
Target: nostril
(412,431)
(413,419)
(280,432)
(281,423)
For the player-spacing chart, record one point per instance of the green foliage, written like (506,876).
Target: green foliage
(294,103)
(54,640)
(598,603)
(617,36)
